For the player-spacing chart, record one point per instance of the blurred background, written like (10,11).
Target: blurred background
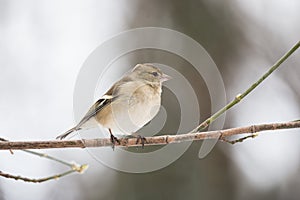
(43,45)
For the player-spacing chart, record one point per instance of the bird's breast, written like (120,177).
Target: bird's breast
(128,114)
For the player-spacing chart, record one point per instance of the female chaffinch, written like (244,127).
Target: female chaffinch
(128,105)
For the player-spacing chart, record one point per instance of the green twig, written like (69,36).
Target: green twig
(239,97)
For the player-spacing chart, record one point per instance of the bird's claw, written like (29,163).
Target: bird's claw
(142,139)
(114,140)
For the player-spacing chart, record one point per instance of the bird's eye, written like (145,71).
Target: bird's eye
(154,73)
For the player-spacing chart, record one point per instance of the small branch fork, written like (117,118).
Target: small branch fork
(73,167)
(151,141)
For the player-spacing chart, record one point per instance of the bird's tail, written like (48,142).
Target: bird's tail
(62,136)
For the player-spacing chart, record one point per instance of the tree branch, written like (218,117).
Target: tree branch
(151,141)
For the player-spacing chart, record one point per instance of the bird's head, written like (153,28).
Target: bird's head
(149,73)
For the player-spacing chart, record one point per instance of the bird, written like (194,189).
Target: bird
(131,103)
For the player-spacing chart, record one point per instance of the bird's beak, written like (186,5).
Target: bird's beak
(165,77)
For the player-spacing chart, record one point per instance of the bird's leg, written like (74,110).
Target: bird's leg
(140,138)
(113,139)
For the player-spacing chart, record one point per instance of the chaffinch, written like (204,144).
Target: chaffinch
(128,105)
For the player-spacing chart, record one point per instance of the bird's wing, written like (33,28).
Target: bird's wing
(111,95)
(98,105)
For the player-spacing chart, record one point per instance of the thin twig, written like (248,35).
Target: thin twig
(239,139)
(151,141)
(42,155)
(74,167)
(239,97)
(50,158)
(33,180)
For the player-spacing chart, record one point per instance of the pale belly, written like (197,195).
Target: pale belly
(125,118)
